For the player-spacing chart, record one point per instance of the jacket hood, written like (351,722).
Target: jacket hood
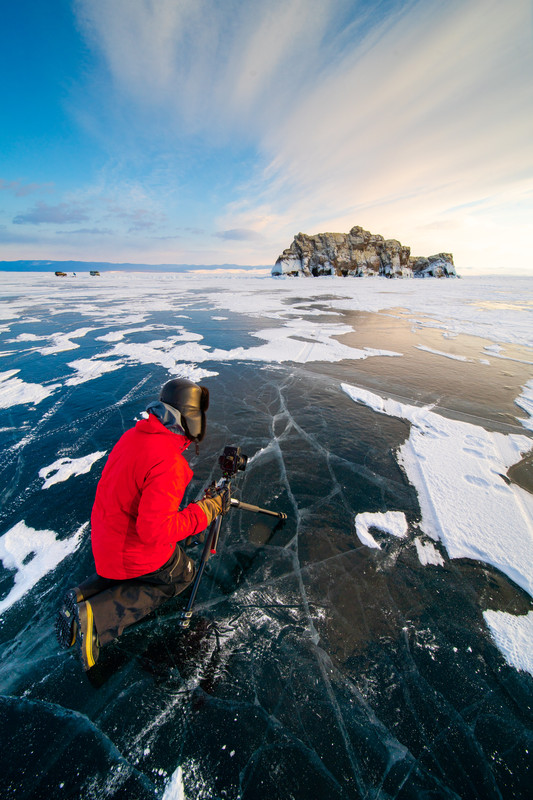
(153,425)
(170,417)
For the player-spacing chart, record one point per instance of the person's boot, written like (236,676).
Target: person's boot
(191,541)
(86,635)
(66,625)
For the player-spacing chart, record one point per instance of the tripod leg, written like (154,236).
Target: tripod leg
(210,542)
(248,507)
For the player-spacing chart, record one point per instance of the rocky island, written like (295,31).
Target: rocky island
(358,253)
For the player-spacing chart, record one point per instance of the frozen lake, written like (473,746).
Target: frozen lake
(380,643)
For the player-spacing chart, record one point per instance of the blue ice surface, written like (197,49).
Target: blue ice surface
(314,666)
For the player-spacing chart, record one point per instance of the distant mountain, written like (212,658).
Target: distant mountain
(102,266)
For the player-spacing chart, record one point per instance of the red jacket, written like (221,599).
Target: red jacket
(136,518)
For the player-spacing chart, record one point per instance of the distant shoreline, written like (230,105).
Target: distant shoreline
(109,266)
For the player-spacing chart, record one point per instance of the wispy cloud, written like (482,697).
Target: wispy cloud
(58,214)
(138,219)
(86,232)
(239,235)
(214,67)
(19,189)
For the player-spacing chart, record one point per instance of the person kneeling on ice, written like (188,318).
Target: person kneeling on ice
(136,523)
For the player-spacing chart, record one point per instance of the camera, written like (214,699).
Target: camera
(231,461)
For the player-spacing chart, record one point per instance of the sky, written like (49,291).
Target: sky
(213,131)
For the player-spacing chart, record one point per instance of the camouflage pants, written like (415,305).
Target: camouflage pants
(118,604)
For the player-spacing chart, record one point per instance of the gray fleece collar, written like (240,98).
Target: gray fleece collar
(170,417)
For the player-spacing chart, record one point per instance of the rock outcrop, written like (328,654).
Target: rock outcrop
(358,253)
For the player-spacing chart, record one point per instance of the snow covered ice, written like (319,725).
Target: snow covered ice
(459,472)
(379,644)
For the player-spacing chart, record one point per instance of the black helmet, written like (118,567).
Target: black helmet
(192,401)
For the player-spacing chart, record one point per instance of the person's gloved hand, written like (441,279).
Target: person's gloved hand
(223,492)
(217,501)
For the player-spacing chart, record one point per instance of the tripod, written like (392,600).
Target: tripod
(232,463)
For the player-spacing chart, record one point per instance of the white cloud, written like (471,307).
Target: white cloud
(398,118)
(215,65)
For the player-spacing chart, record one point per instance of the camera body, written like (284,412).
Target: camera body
(232,461)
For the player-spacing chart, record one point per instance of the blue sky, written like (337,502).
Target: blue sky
(209,132)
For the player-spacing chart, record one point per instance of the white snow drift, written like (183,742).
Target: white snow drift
(458,470)
(64,468)
(32,554)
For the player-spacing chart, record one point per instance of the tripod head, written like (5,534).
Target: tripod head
(232,461)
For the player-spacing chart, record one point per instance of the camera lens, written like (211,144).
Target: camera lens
(231,461)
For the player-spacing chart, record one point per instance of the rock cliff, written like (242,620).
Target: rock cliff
(358,253)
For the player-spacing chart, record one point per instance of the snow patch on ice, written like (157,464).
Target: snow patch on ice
(298,340)
(113,336)
(440,353)
(457,469)
(62,469)
(428,553)
(32,554)
(14,391)
(513,636)
(170,358)
(525,401)
(120,335)
(26,337)
(503,317)
(88,369)
(393,522)
(63,341)
(174,790)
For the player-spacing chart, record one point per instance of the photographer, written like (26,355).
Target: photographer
(136,523)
